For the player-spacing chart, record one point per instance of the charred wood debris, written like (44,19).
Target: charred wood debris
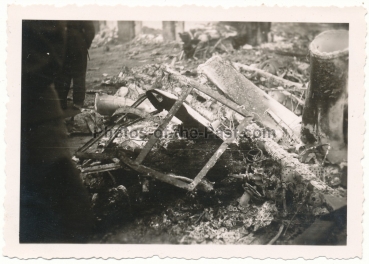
(169,149)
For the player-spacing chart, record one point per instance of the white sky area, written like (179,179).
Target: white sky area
(158,24)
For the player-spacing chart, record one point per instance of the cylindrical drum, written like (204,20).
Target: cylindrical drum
(107,104)
(325,115)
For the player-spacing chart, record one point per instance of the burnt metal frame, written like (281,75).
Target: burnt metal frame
(172,179)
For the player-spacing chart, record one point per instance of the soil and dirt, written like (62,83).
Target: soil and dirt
(129,209)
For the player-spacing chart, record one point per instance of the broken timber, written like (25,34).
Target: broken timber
(243,92)
(282,83)
(206,90)
(286,159)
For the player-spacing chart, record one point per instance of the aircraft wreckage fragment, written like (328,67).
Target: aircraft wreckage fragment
(180,109)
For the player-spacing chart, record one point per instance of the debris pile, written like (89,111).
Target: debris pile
(207,40)
(226,131)
(147,39)
(106,35)
(233,225)
(89,122)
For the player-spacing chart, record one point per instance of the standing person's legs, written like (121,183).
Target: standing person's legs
(79,89)
(62,85)
(79,79)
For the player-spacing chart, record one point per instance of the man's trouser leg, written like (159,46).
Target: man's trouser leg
(62,85)
(79,89)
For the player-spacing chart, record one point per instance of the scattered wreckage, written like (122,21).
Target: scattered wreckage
(286,152)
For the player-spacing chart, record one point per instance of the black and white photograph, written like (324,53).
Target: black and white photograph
(185,132)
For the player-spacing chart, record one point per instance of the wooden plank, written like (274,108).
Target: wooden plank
(243,92)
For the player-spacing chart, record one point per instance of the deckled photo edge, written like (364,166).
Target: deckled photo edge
(357,33)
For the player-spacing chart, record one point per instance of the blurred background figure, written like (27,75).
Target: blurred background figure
(79,36)
(54,205)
